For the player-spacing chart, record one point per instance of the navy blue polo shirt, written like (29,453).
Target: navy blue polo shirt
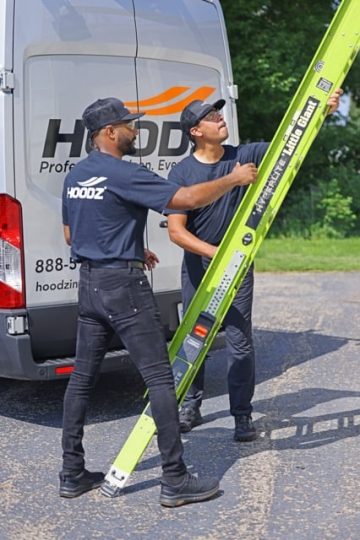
(105,204)
(211,222)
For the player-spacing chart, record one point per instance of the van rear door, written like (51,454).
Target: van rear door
(66,55)
(182,55)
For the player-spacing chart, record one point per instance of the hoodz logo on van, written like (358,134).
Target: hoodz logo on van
(171,101)
(87,189)
(162,140)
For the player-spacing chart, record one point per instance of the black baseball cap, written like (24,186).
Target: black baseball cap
(195,111)
(107,111)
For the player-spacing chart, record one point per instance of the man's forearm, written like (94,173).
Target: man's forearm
(186,240)
(189,198)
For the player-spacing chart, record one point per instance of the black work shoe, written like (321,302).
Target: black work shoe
(191,489)
(73,486)
(244,428)
(189,417)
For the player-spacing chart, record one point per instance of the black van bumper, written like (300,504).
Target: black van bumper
(45,348)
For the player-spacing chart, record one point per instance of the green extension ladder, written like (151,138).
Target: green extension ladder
(250,224)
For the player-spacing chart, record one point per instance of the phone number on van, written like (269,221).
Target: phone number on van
(54,265)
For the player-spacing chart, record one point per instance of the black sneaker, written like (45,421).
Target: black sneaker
(73,486)
(189,417)
(244,428)
(191,489)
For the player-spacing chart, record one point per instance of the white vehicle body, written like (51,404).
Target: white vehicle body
(56,57)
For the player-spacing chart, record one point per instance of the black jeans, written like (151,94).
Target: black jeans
(239,342)
(113,300)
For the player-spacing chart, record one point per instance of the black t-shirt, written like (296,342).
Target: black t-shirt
(105,204)
(211,222)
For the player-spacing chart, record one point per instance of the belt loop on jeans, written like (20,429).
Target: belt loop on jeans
(113,264)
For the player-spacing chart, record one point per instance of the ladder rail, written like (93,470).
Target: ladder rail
(346,55)
(250,224)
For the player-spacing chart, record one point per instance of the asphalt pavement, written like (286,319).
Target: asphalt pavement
(298,481)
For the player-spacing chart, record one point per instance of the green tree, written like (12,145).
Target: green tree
(337,218)
(271,44)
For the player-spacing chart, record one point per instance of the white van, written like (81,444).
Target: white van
(56,57)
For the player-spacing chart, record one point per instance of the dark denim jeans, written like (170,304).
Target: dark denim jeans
(239,342)
(114,300)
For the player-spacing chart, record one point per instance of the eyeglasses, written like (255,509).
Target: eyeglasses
(131,124)
(213,116)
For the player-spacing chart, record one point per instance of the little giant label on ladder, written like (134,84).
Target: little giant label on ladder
(250,224)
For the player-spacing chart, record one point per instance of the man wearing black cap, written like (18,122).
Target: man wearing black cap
(105,205)
(199,232)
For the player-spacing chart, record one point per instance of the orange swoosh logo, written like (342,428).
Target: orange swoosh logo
(171,93)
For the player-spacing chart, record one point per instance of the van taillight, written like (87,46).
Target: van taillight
(12,287)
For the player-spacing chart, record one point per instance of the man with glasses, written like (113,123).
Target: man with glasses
(105,205)
(199,232)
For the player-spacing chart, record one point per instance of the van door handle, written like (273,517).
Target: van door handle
(163,224)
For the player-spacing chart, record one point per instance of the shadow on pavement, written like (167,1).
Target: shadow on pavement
(120,394)
(279,429)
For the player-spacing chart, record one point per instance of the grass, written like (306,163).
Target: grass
(300,255)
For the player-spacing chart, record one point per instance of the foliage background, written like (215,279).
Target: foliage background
(271,45)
